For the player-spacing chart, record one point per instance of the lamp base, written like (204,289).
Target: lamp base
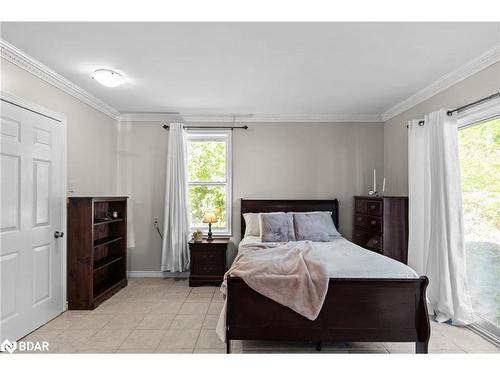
(210,238)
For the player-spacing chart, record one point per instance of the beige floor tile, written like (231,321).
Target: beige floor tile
(400,347)
(43,335)
(143,339)
(156,321)
(166,307)
(134,351)
(106,339)
(124,321)
(190,308)
(443,345)
(57,347)
(176,297)
(179,339)
(215,308)
(203,291)
(173,351)
(62,322)
(137,306)
(187,322)
(210,321)
(91,321)
(209,351)
(209,339)
(179,289)
(199,298)
(74,336)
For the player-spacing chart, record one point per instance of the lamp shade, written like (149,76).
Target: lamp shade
(209,217)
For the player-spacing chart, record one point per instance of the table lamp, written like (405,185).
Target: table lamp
(209,218)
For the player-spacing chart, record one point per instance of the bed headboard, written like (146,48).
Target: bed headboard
(271,205)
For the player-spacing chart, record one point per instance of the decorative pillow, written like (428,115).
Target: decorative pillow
(276,227)
(314,226)
(252,224)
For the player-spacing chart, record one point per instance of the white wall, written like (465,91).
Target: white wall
(91,135)
(477,86)
(272,160)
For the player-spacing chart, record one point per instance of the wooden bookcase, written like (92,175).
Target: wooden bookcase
(97,250)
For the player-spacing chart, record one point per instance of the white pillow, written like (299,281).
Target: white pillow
(314,226)
(252,224)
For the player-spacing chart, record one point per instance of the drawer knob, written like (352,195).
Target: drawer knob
(375,242)
(373,222)
(360,218)
(372,206)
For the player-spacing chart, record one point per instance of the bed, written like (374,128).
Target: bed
(356,309)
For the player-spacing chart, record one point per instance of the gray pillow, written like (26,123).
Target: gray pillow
(313,226)
(276,227)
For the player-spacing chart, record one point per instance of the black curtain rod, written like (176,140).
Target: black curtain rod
(245,127)
(480,101)
(467,106)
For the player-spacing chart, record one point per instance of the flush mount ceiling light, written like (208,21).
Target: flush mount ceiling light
(108,78)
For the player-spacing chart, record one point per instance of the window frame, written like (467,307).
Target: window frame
(210,135)
(469,118)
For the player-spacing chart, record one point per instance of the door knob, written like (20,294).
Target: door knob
(58,234)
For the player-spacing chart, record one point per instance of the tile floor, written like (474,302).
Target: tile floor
(167,316)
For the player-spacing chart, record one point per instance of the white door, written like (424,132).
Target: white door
(32,152)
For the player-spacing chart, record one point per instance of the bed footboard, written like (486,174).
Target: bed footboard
(364,310)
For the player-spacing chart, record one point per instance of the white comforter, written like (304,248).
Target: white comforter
(344,259)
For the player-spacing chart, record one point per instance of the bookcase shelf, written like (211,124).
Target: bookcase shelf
(97,250)
(106,221)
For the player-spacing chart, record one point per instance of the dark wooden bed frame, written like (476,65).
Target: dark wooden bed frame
(355,309)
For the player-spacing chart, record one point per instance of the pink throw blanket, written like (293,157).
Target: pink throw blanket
(287,273)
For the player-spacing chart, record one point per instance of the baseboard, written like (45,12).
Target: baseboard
(158,274)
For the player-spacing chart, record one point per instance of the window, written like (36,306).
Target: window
(479,146)
(209,179)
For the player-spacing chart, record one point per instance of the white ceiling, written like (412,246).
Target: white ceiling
(264,69)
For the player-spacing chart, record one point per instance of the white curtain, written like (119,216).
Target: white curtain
(175,254)
(436,245)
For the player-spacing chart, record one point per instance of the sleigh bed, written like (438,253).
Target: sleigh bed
(355,309)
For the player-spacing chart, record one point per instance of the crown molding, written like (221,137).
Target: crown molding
(481,62)
(35,67)
(247,118)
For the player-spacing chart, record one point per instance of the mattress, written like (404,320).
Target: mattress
(344,259)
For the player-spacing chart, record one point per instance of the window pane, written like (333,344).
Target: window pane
(480,169)
(206,160)
(203,198)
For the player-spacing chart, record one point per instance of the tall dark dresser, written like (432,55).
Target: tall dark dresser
(381,225)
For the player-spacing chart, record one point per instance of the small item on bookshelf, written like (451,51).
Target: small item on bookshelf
(198,236)
(112,215)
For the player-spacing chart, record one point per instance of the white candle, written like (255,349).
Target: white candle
(374,180)
(383,185)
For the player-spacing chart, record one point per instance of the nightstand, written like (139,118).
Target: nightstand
(208,261)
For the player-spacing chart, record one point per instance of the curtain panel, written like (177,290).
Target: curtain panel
(436,245)
(175,251)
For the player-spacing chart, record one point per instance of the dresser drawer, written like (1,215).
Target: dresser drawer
(203,259)
(368,240)
(371,223)
(374,208)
